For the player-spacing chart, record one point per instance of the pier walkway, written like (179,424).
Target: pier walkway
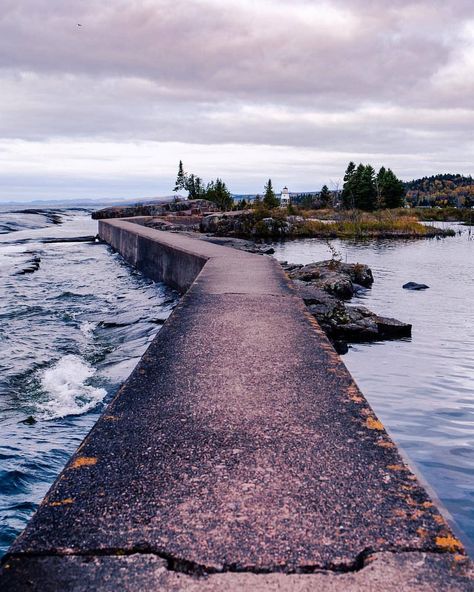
(239,455)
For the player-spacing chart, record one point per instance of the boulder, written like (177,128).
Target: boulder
(324,286)
(334,277)
(392,329)
(415,286)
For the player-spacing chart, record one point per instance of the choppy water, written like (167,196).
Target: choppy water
(421,388)
(70,332)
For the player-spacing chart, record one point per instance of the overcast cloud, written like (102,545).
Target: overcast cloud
(241,89)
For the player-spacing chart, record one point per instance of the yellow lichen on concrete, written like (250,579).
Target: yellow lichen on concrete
(396,467)
(374,424)
(83,461)
(449,543)
(385,444)
(354,394)
(64,502)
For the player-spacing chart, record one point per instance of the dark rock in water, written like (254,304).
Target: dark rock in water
(31,266)
(123,320)
(339,279)
(341,347)
(415,286)
(30,420)
(392,329)
(158,320)
(71,239)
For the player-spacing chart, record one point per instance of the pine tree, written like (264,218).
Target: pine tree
(366,196)
(181,178)
(270,200)
(189,185)
(218,193)
(348,197)
(392,190)
(325,196)
(199,189)
(379,182)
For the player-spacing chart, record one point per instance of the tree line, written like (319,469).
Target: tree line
(215,191)
(441,190)
(364,189)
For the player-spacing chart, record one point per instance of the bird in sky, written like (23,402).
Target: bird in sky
(79,25)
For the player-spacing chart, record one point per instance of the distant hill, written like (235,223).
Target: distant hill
(446,189)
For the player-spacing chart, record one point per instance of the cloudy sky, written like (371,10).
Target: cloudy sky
(242,89)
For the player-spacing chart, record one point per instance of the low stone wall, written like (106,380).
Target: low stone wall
(175,266)
(239,455)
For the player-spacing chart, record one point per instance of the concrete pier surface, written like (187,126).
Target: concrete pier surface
(239,455)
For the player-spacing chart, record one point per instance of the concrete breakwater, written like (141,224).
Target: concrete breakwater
(239,454)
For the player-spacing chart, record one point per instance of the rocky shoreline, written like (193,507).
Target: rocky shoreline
(326,287)
(276,224)
(202,216)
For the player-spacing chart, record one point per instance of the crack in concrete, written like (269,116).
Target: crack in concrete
(193,568)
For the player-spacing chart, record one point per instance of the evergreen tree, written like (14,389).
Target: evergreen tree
(359,190)
(391,189)
(189,186)
(366,195)
(218,193)
(199,189)
(181,178)
(243,204)
(270,200)
(348,197)
(379,182)
(325,196)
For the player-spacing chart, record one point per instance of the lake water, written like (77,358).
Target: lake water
(421,388)
(70,332)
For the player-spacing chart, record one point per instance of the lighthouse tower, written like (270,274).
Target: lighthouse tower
(284,198)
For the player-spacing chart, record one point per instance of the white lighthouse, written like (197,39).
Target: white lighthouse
(284,198)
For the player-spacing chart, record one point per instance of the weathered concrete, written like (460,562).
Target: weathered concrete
(384,572)
(240,443)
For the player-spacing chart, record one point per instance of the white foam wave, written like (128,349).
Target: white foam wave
(88,328)
(66,386)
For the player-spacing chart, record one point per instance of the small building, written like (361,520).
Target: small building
(284,198)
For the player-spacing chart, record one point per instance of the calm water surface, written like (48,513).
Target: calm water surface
(423,388)
(70,333)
